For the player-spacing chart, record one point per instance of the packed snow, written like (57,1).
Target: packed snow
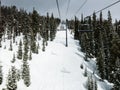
(58,68)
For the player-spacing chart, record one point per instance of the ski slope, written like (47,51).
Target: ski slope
(58,68)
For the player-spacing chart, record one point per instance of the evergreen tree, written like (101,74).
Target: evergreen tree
(33,42)
(13,38)
(94,21)
(19,55)
(106,48)
(96,34)
(30,55)
(52,28)
(35,22)
(1,75)
(115,60)
(100,63)
(25,55)
(76,35)
(95,85)
(101,19)
(13,60)
(10,46)
(101,57)
(90,83)
(18,75)
(43,48)
(11,80)
(37,49)
(81,66)
(47,26)
(0,43)
(26,74)
(85,72)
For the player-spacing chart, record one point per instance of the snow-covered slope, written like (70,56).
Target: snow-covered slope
(58,68)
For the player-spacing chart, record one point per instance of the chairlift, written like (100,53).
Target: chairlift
(85,28)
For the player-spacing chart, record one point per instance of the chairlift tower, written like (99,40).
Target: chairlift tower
(1,27)
(0,16)
(66,33)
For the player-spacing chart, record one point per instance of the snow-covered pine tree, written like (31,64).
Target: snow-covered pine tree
(35,22)
(115,61)
(14,59)
(11,80)
(96,33)
(30,55)
(10,46)
(9,32)
(4,36)
(25,55)
(1,75)
(43,43)
(52,28)
(76,25)
(90,83)
(0,43)
(33,42)
(26,73)
(13,38)
(47,26)
(37,49)
(85,72)
(18,75)
(100,63)
(46,43)
(81,66)
(19,55)
(95,85)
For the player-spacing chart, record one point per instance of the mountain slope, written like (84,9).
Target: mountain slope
(58,68)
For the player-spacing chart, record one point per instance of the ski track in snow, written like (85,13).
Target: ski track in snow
(58,68)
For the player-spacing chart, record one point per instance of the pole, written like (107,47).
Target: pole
(0,22)
(66,34)
(0,12)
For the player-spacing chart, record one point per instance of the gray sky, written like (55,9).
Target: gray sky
(44,6)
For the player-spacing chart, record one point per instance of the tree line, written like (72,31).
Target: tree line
(102,42)
(34,28)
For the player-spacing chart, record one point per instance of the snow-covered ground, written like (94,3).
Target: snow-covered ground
(58,68)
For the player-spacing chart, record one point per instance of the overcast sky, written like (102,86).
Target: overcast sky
(44,6)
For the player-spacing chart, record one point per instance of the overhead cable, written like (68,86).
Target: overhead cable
(68,7)
(81,7)
(58,8)
(106,7)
